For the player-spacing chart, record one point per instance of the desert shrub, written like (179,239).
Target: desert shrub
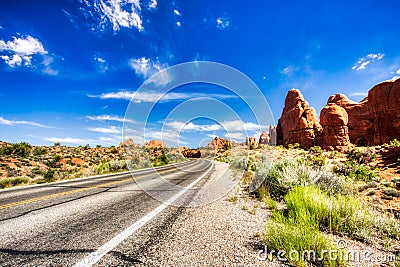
(54,162)
(35,172)
(49,175)
(39,151)
(394,143)
(18,149)
(293,146)
(333,184)
(317,150)
(316,160)
(102,168)
(361,157)
(284,175)
(239,163)
(160,160)
(356,171)
(9,182)
(118,166)
(145,164)
(6,150)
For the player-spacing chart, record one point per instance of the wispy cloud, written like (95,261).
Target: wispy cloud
(177,12)
(108,118)
(145,67)
(107,130)
(179,126)
(151,96)
(20,50)
(289,70)
(68,140)
(363,62)
(99,59)
(223,23)
(116,13)
(153,4)
(229,126)
(359,94)
(21,123)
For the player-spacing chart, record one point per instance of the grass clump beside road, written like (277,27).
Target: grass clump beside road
(318,202)
(14,181)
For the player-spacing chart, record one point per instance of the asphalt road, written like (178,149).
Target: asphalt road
(62,224)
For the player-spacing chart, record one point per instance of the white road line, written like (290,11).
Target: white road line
(94,257)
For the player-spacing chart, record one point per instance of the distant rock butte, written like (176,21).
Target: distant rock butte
(221,144)
(372,121)
(155,144)
(298,123)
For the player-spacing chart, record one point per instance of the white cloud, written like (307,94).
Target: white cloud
(14,60)
(68,140)
(108,118)
(153,4)
(47,68)
(146,67)
(176,11)
(398,71)
(109,130)
(99,59)
(289,70)
(363,62)
(20,50)
(179,126)
(237,136)
(118,13)
(238,125)
(223,23)
(151,96)
(178,23)
(26,123)
(359,94)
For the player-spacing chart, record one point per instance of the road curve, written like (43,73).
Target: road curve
(61,224)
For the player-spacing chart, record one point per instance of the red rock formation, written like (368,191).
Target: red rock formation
(155,144)
(264,139)
(298,123)
(376,119)
(334,121)
(220,144)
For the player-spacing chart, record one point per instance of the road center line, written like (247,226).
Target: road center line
(94,257)
(36,199)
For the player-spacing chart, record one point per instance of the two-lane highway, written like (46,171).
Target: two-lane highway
(77,222)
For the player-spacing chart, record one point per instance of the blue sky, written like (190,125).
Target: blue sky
(69,68)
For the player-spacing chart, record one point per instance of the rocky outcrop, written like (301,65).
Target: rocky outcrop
(191,153)
(220,144)
(264,138)
(376,119)
(298,123)
(155,144)
(335,133)
(272,135)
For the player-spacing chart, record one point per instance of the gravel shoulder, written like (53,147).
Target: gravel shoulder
(222,233)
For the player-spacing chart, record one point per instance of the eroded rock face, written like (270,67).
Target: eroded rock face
(376,119)
(360,123)
(384,105)
(155,144)
(264,139)
(335,133)
(298,123)
(220,144)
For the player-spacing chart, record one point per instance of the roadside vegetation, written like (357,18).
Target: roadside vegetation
(317,196)
(22,164)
